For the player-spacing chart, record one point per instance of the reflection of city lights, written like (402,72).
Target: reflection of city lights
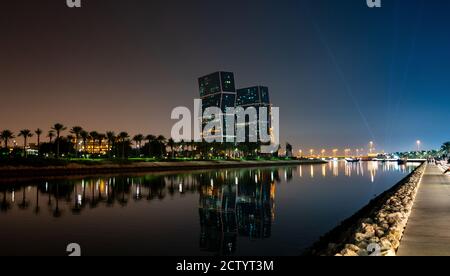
(212,182)
(372,167)
(271,176)
(79,199)
(236,181)
(348,169)
(256,179)
(312,171)
(13,196)
(335,169)
(181,188)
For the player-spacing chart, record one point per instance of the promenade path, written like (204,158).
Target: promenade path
(428,229)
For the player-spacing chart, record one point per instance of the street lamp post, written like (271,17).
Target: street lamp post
(347,152)
(371,146)
(335,153)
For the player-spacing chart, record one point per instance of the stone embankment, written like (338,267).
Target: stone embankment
(378,228)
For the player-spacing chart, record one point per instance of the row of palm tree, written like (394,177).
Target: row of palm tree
(446,148)
(155,145)
(7,135)
(111,138)
(78,134)
(442,153)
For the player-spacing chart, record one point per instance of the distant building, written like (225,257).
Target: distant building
(218,90)
(99,147)
(253,96)
(257,97)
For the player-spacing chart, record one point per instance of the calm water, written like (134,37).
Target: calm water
(273,211)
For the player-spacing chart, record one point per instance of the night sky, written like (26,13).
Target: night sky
(341,73)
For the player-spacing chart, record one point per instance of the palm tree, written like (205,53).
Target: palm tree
(25,133)
(162,142)
(150,138)
(446,147)
(94,137)
(138,140)
(76,130)
(84,136)
(38,133)
(6,135)
(123,136)
(171,144)
(100,139)
(111,137)
(58,128)
(51,135)
(70,138)
(183,148)
(193,148)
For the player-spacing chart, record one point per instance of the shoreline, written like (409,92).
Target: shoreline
(9,174)
(380,224)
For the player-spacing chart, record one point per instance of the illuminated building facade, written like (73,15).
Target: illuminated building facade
(217,90)
(257,97)
(98,147)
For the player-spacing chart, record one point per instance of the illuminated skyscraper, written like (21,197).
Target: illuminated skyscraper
(218,90)
(257,97)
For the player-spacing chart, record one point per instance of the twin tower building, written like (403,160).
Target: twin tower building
(219,90)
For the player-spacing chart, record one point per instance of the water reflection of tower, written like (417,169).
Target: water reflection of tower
(239,204)
(217,215)
(255,206)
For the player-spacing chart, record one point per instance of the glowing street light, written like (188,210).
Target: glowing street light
(418,145)
(371,146)
(347,151)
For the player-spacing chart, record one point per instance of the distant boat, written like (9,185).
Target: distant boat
(352,160)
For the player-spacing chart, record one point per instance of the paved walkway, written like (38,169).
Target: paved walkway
(428,229)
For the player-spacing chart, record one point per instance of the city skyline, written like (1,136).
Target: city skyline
(115,65)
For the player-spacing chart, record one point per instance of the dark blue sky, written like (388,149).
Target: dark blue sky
(342,74)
